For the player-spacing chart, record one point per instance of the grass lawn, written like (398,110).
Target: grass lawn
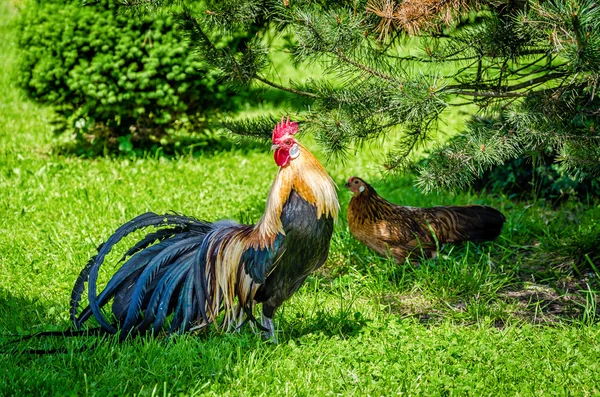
(502,318)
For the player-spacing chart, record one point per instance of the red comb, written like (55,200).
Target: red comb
(284,128)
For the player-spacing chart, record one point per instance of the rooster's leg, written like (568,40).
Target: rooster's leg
(267,323)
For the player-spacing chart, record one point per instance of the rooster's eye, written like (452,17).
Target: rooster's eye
(288,142)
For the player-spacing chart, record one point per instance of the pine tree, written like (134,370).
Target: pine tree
(531,68)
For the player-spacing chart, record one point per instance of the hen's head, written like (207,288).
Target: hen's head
(285,146)
(356,185)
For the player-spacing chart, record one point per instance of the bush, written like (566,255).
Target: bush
(526,179)
(114,79)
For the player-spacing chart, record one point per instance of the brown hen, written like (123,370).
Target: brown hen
(397,231)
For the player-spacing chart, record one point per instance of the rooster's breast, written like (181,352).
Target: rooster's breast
(305,248)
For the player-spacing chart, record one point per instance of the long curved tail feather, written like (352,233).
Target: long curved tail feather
(186,230)
(183,277)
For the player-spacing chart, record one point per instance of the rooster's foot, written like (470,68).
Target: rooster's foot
(269,334)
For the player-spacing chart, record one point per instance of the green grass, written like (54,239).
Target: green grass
(503,318)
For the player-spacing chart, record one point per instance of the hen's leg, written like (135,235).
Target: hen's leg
(399,254)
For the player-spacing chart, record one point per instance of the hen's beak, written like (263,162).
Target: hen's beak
(275,147)
(347,185)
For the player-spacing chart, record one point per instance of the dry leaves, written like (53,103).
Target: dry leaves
(412,16)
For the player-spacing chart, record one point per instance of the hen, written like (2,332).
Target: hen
(196,273)
(397,231)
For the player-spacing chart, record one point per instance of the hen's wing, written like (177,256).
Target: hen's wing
(410,229)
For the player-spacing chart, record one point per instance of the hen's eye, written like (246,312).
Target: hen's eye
(356,182)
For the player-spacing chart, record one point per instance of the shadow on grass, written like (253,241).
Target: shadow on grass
(344,323)
(187,144)
(23,320)
(20,315)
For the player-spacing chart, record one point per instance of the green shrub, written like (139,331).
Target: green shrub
(526,179)
(116,80)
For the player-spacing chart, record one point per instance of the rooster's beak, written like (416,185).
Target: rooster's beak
(275,147)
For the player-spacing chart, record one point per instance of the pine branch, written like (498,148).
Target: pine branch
(191,24)
(287,89)
(533,71)
(258,128)
(528,65)
(489,94)
(365,68)
(536,81)
(459,89)
(430,60)
(337,52)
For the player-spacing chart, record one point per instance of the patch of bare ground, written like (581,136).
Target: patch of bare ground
(412,304)
(540,304)
(557,279)
(529,302)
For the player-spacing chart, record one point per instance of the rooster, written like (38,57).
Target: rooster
(397,231)
(195,273)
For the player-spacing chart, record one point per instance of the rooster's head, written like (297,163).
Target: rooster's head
(285,146)
(356,185)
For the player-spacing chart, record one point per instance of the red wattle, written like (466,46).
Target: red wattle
(282,157)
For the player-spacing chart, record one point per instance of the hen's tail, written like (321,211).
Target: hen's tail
(470,223)
(157,280)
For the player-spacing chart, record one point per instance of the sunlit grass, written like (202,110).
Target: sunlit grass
(466,323)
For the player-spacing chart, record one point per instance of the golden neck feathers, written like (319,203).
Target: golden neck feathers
(307,177)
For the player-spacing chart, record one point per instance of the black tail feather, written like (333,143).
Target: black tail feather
(162,299)
(66,333)
(150,238)
(79,286)
(125,277)
(165,258)
(169,279)
(185,306)
(478,223)
(90,271)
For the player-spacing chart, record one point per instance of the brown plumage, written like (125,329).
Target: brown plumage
(395,230)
